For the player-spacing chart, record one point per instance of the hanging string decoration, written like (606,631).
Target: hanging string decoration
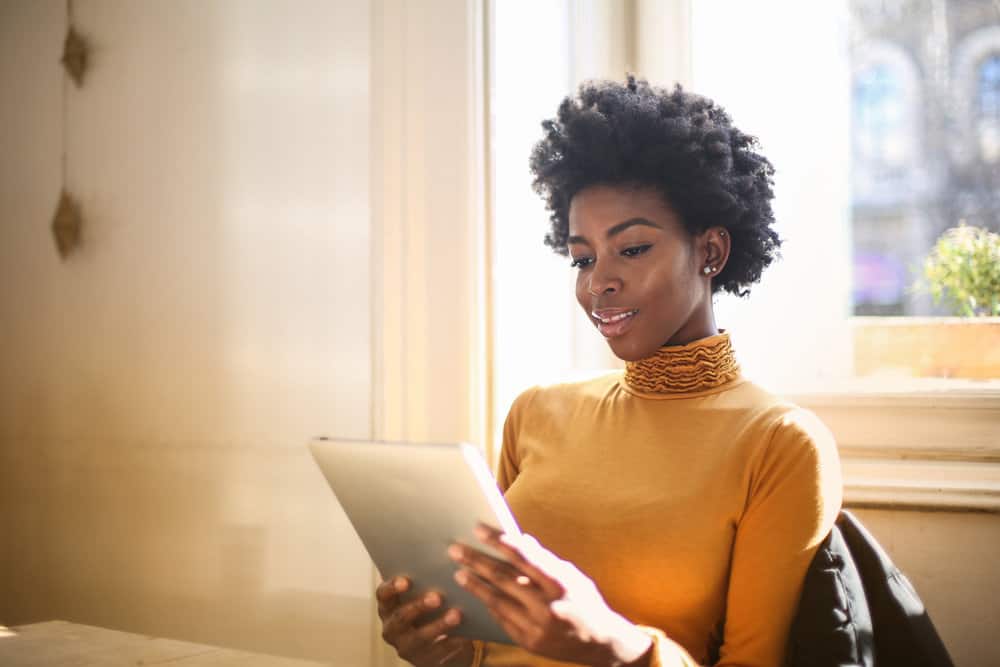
(74,57)
(67,223)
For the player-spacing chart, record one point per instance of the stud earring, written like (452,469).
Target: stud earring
(708,269)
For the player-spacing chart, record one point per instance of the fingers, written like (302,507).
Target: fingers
(387,594)
(439,626)
(527,555)
(509,612)
(498,575)
(428,641)
(401,620)
(420,643)
(440,650)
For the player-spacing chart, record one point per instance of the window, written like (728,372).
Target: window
(911,88)
(880,134)
(988,108)
(866,109)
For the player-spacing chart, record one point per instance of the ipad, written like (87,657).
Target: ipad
(408,502)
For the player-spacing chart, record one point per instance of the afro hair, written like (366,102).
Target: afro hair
(682,145)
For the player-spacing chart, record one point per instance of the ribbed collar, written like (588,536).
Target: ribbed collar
(680,369)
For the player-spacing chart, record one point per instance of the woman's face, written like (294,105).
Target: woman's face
(641,277)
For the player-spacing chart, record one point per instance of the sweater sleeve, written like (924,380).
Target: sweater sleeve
(795,493)
(509,464)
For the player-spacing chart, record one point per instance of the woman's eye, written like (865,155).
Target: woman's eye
(635,251)
(580,262)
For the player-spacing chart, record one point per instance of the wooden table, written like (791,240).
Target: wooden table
(74,645)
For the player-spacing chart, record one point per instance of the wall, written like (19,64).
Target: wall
(159,386)
(283,213)
(950,559)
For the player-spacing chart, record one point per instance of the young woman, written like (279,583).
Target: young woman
(675,507)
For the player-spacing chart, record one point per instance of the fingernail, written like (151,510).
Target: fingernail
(455,552)
(399,584)
(461,577)
(482,533)
(452,617)
(432,600)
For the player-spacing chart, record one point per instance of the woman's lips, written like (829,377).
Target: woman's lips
(612,325)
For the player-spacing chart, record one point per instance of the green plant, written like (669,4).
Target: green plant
(963,269)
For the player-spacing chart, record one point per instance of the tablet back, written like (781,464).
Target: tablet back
(408,502)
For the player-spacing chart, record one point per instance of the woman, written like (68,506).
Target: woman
(675,507)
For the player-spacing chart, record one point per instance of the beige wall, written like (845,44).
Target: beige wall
(158,387)
(284,206)
(951,559)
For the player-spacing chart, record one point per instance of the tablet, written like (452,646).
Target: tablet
(408,502)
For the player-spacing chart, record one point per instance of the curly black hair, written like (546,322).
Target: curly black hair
(683,145)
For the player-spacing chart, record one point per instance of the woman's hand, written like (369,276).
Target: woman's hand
(546,604)
(419,638)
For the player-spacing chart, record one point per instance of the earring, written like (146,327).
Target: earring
(708,269)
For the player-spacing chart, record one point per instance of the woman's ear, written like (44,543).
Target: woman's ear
(715,245)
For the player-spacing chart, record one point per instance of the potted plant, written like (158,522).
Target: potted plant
(962,271)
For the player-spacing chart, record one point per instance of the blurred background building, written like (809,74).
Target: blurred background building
(925,141)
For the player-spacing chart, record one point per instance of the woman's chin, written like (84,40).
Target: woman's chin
(629,350)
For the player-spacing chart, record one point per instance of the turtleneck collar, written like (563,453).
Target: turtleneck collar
(701,365)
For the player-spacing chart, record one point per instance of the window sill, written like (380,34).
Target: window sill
(915,444)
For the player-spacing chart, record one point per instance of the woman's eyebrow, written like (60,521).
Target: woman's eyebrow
(617,229)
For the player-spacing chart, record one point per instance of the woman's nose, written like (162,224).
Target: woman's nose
(603,284)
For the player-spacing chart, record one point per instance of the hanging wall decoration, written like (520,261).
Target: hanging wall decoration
(67,223)
(74,57)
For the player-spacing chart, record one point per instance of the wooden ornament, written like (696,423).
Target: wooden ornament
(66,225)
(74,57)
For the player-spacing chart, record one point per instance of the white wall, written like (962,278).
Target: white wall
(158,386)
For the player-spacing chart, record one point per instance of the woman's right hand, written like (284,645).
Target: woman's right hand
(418,638)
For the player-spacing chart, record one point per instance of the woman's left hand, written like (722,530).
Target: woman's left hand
(546,604)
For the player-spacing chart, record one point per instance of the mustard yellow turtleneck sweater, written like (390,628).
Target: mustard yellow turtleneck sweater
(692,498)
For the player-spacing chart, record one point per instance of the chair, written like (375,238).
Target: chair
(858,610)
